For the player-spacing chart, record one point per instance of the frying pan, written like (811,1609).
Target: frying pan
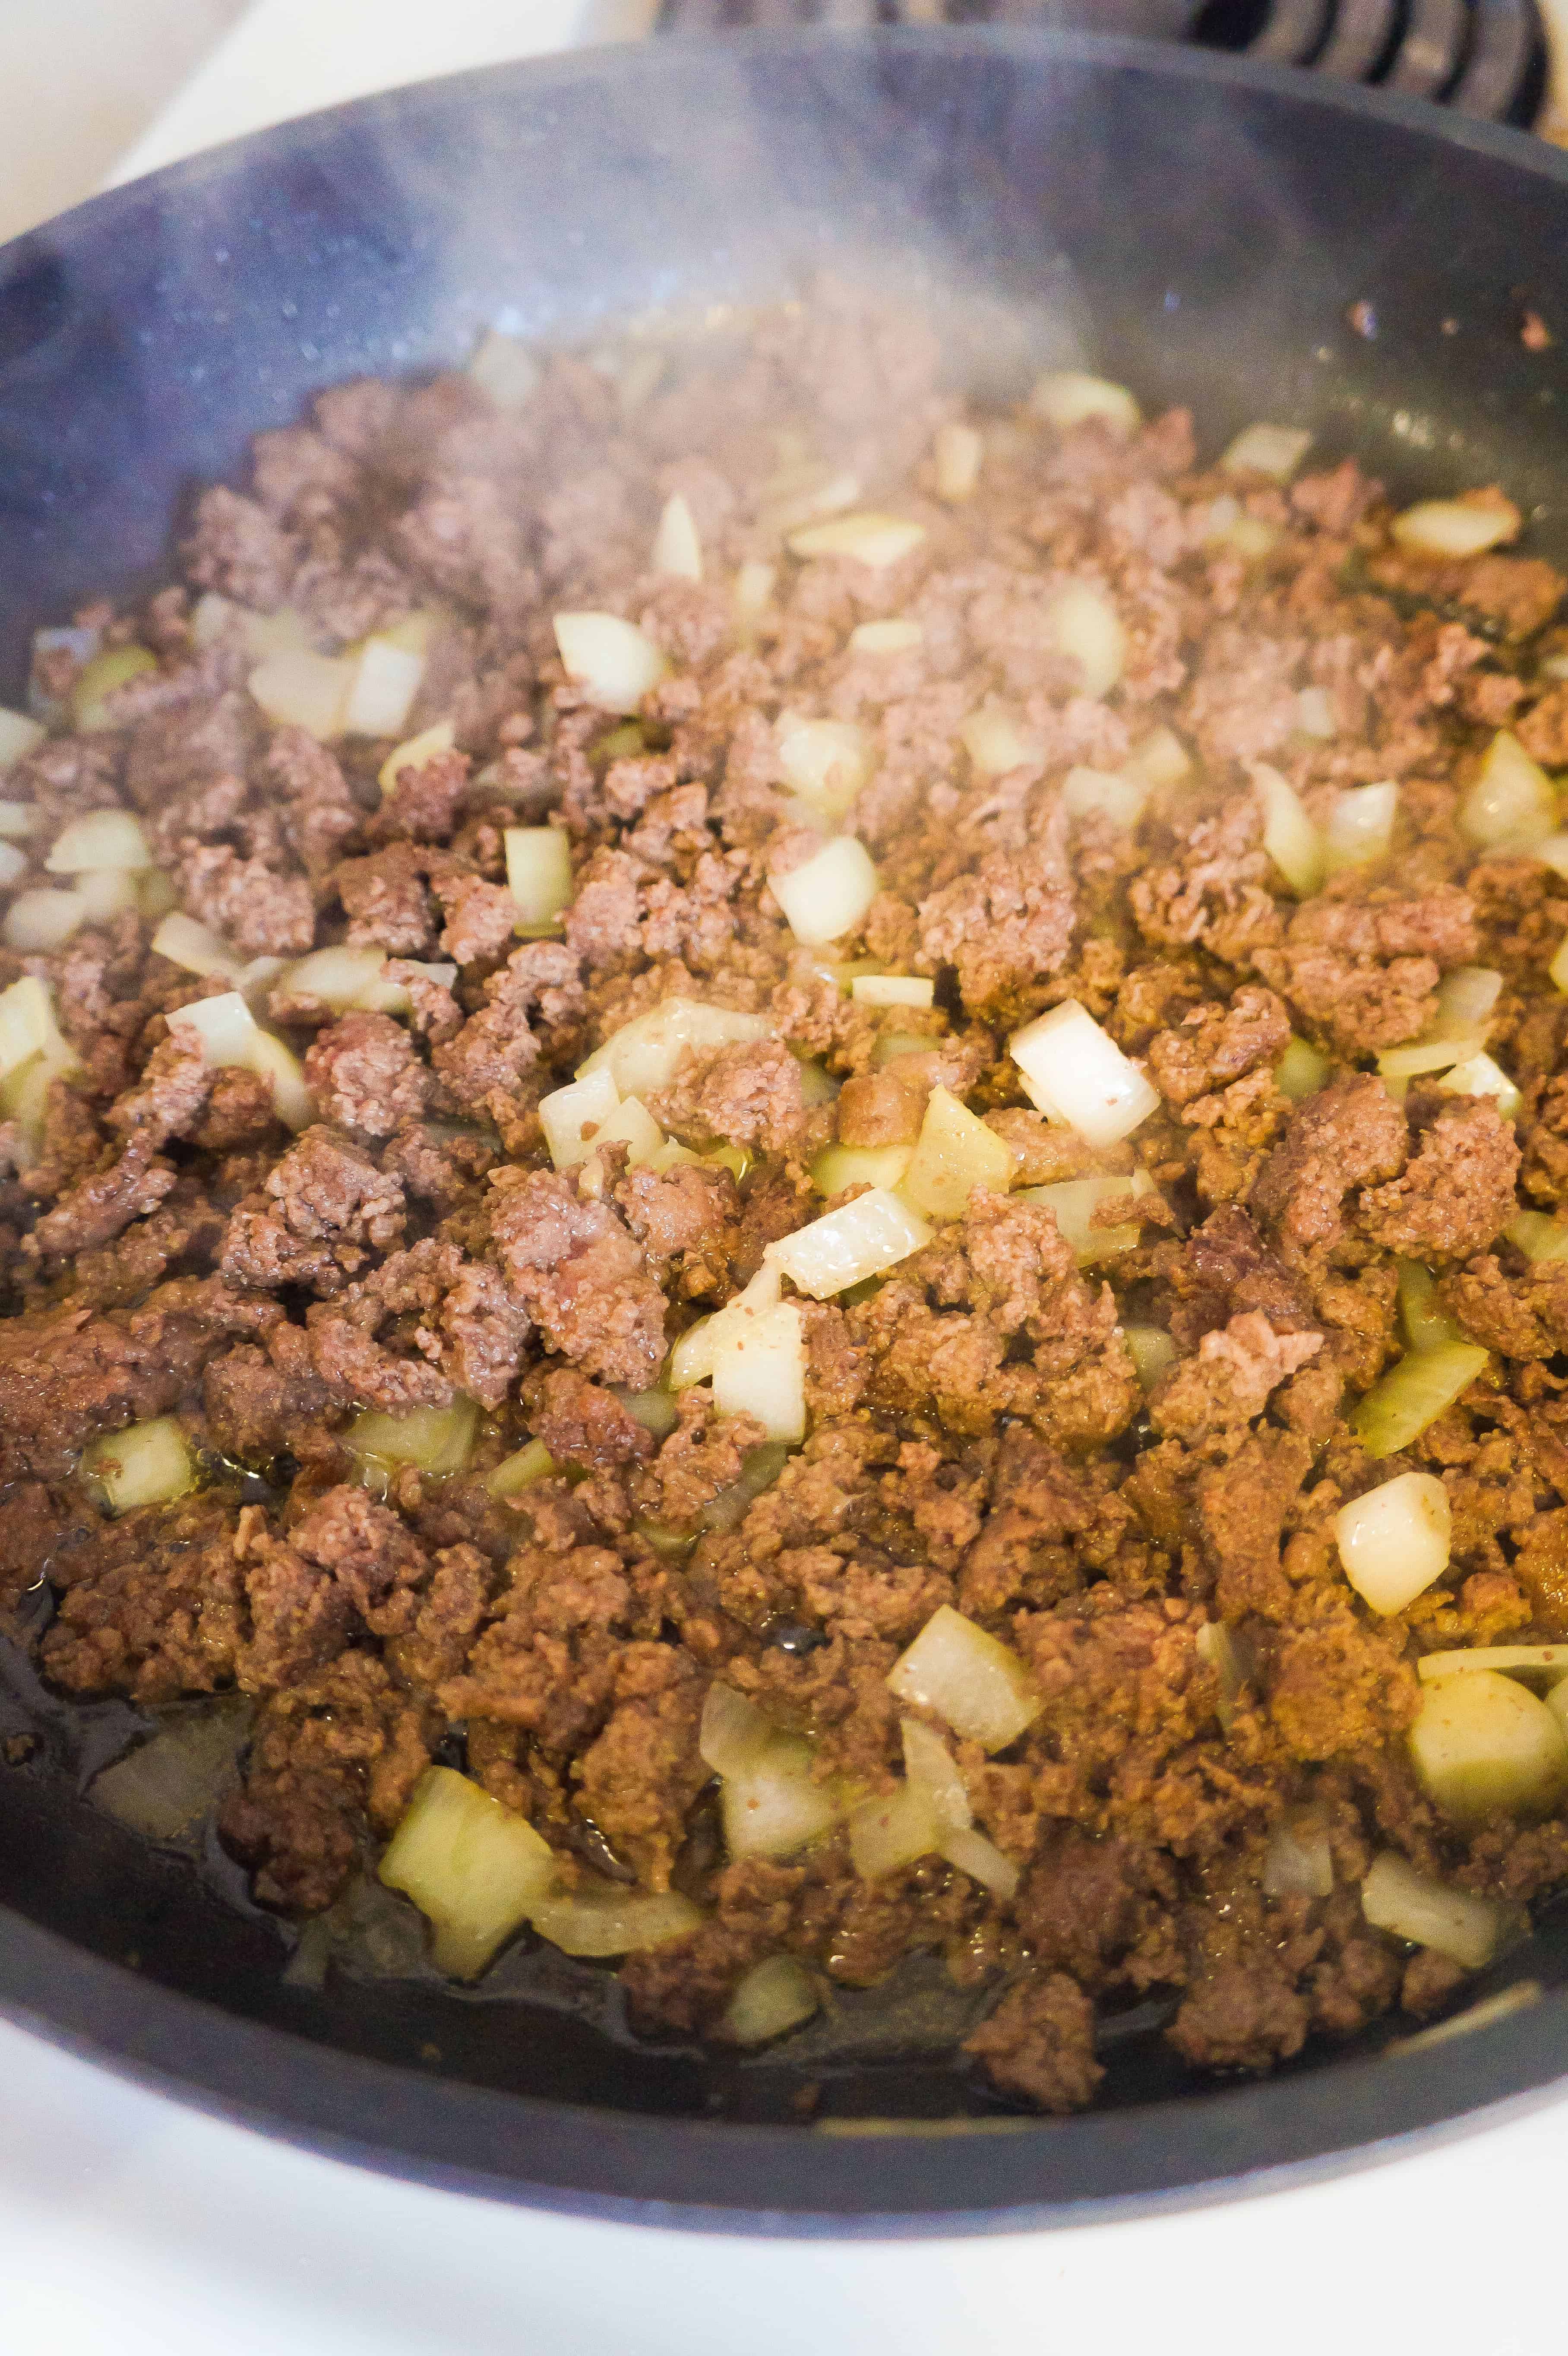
(1198,226)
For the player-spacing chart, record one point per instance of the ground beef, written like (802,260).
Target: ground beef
(265,1251)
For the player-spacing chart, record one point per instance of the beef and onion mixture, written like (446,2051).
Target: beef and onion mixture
(796,1161)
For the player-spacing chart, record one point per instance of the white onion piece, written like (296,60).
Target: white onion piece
(146,1464)
(976,1686)
(1483,1744)
(1466,999)
(475,1867)
(191,946)
(1425,1055)
(1272,450)
(573,1117)
(1067,397)
(1538,1235)
(1478,1075)
(438,1439)
(41,920)
(875,540)
(691,1361)
(18,737)
(1315,713)
(302,690)
(775,1806)
(839,1166)
(996,743)
(733,1734)
(1298,1862)
(106,893)
(1540,1660)
(1553,853)
(521,1470)
(224,1024)
(954,1153)
(677,549)
(644,1055)
(861,1238)
(1075,1073)
(614,663)
(166,1785)
(893,636)
(892,990)
(1075,1202)
(1395,1898)
(1361,826)
(383,680)
(755,587)
(1512,804)
(342,977)
(931,1769)
(1151,1350)
(28,1028)
(414,753)
(891,1831)
(504,368)
(611,1921)
(826,762)
(775,1996)
(759,1369)
(1291,840)
(958,453)
(1085,626)
(539,872)
(1159,760)
(1221,1650)
(827,895)
(1451,527)
(1394,1541)
(18,821)
(1095,793)
(982,1861)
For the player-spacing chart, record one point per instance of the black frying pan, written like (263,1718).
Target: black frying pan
(1206,226)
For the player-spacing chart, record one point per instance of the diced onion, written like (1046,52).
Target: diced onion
(755,587)
(839,1166)
(828,894)
(614,663)
(275,1062)
(383,680)
(41,920)
(1085,626)
(414,753)
(932,1771)
(1412,1394)
(1301,1071)
(1067,397)
(958,453)
(1465,1000)
(1290,838)
(892,1831)
(1538,1235)
(774,1806)
(1315,713)
(521,1470)
(191,946)
(954,1153)
(539,872)
(224,1024)
(1395,1898)
(1272,450)
(113,667)
(1478,1075)
(894,1044)
(996,743)
(759,1369)
(18,737)
(106,893)
(302,689)
(1087,793)
(1425,1055)
(1427,1327)
(892,989)
(893,636)
(982,1861)
(475,1867)
(1452,527)
(18,821)
(571,1117)
(1512,806)
(28,1027)
(775,1996)
(1394,1541)
(1159,760)
(826,762)
(504,368)
(437,1440)
(611,1921)
(25,1096)
(1542,1660)
(1553,853)
(1361,826)
(105,838)
(811,486)
(644,1055)
(734,1733)
(146,1464)
(1151,1350)
(877,540)
(691,1360)
(1558,969)
(1217,1647)
(1482,1743)
(1074,1201)
(844,1247)
(678,550)
(976,1686)
(1074,1071)
(1298,1863)
(166,1785)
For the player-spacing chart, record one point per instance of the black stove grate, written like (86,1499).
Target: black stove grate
(1484,57)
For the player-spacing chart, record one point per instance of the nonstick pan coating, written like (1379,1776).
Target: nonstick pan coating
(1205,229)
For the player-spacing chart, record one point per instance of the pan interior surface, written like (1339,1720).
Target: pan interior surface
(1213,235)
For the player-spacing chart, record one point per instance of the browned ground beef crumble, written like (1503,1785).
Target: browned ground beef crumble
(978,1436)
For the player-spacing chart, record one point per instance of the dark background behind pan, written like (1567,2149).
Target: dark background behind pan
(1200,227)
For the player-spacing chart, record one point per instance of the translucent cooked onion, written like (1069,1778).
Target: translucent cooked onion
(892,1831)
(845,1247)
(191,946)
(1272,450)
(1483,1743)
(1361,826)
(505,370)
(877,540)
(892,990)
(475,1867)
(776,1806)
(1467,1000)
(300,688)
(18,821)
(1095,793)
(828,894)
(775,1996)
(1085,626)
(98,678)
(1512,806)
(105,893)
(958,453)
(973,1683)
(811,486)
(1220,1649)
(1298,1862)
(1151,1350)
(275,1062)
(383,680)
(1537,1660)
(1159,760)
(896,636)
(224,1024)
(1455,528)
(1478,1075)
(1301,1071)
(678,549)
(998,742)
(104,837)
(826,762)
(437,1440)
(571,1118)
(428,746)
(1394,1541)
(1073,1202)
(539,872)
(755,587)
(931,1769)
(734,1733)
(1538,1235)
(13,864)
(18,737)
(645,1054)
(759,1369)
(611,1921)
(167,1784)
(41,920)
(1068,397)
(982,1861)
(611,662)
(28,1028)
(1290,838)
(1412,1394)
(146,1464)
(839,1166)
(1315,713)
(955,1152)
(1395,1898)
(1426,1325)
(521,1470)
(1074,1071)
(1423,1056)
